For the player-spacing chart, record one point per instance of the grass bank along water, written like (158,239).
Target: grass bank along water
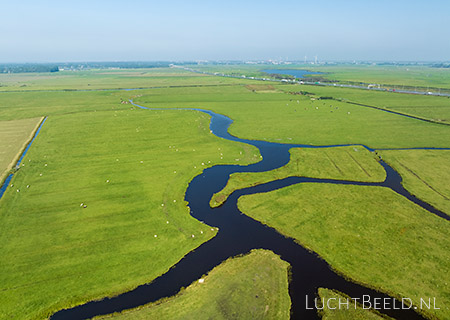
(130,168)
(239,234)
(354,163)
(425,174)
(253,286)
(300,120)
(370,234)
(5,176)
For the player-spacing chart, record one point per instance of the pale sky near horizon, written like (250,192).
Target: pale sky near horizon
(138,30)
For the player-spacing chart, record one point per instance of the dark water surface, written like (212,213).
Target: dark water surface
(238,234)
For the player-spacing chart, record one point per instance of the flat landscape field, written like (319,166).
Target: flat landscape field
(99,206)
(254,286)
(130,169)
(15,135)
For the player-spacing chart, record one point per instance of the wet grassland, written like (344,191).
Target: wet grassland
(131,167)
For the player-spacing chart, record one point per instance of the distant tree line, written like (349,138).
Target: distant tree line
(28,67)
(55,67)
(281,76)
(114,64)
(441,65)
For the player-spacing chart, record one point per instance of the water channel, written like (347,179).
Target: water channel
(238,234)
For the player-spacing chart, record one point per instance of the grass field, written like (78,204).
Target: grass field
(254,286)
(130,168)
(425,173)
(256,114)
(342,163)
(358,229)
(107,79)
(414,76)
(20,105)
(334,311)
(14,137)
(420,76)
(428,107)
(124,164)
(278,117)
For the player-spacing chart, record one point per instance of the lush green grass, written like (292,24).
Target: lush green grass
(256,114)
(420,76)
(335,311)
(278,117)
(14,138)
(56,254)
(107,79)
(342,163)
(426,174)
(254,286)
(131,168)
(370,234)
(19,105)
(428,107)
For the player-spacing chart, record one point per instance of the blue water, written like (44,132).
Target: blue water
(299,74)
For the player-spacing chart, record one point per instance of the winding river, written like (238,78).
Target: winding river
(238,234)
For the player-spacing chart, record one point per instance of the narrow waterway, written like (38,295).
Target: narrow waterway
(238,234)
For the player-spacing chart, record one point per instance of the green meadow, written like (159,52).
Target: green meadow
(353,163)
(358,229)
(254,286)
(411,76)
(130,169)
(425,174)
(99,209)
(107,79)
(434,108)
(14,135)
(278,117)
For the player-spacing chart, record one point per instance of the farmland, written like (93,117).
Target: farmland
(253,287)
(349,163)
(357,229)
(130,168)
(15,134)
(101,195)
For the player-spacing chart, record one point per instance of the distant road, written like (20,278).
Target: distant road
(318,83)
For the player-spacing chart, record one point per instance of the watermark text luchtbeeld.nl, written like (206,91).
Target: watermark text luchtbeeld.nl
(366,302)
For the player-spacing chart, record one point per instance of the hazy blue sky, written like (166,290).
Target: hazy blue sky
(39,31)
